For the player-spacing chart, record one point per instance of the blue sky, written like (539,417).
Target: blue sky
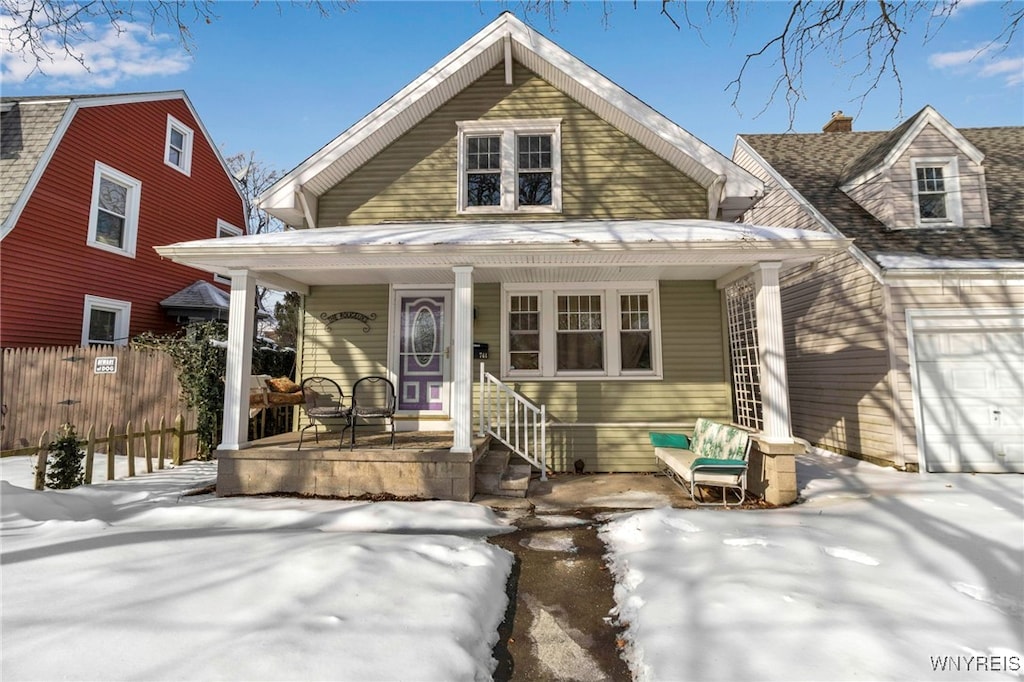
(282,81)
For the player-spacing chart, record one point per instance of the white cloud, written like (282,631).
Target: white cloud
(1011,67)
(984,61)
(960,6)
(112,57)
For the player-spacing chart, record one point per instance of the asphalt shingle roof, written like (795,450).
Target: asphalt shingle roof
(26,128)
(816,164)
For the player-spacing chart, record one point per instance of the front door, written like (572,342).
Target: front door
(423,351)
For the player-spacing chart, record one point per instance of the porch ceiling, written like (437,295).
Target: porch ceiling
(564,251)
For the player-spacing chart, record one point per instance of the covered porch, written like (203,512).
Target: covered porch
(722,277)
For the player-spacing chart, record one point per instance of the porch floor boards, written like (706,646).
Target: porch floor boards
(404,440)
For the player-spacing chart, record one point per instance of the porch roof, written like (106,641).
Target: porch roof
(536,251)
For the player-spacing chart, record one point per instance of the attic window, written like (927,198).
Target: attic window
(510,166)
(937,192)
(178,147)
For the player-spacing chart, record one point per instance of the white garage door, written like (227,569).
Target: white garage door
(970,386)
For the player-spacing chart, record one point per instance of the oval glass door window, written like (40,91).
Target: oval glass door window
(424,336)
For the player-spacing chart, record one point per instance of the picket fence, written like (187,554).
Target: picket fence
(158,445)
(94,388)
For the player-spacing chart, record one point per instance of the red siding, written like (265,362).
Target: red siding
(46,266)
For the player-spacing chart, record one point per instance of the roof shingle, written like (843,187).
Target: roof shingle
(817,164)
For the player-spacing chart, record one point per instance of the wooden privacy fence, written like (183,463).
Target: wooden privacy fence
(92,388)
(160,444)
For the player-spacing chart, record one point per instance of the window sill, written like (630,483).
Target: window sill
(510,377)
(498,210)
(111,249)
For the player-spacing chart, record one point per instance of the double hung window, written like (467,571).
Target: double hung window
(592,332)
(508,166)
(114,219)
(936,189)
(178,147)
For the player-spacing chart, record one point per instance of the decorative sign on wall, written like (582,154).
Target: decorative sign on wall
(328,320)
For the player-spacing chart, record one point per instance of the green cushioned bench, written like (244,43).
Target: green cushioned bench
(716,456)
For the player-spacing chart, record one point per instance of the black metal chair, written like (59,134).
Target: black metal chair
(324,401)
(373,398)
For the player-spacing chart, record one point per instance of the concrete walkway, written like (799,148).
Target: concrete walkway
(560,623)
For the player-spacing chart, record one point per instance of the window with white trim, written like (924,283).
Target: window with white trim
(225,230)
(178,147)
(114,218)
(105,321)
(597,331)
(936,188)
(509,166)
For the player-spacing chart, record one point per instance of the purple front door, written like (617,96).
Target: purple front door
(421,353)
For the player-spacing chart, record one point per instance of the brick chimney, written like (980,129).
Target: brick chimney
(838,123)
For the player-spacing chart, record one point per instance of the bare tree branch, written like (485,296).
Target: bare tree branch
(43,31)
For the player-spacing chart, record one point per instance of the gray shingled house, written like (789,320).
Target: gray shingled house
(907,348)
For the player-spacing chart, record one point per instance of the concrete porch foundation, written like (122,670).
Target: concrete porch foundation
(771,472)
(421,465)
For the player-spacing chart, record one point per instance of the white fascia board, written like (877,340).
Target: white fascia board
(220,157)
(928,116)
(282,193)
(866,261)
(76,103)
(739,183)
(37,172)
(280,262)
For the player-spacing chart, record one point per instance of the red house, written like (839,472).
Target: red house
(90,185)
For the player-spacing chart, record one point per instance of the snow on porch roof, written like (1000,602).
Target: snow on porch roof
(661,247)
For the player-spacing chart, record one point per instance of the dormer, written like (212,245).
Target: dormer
(924,174)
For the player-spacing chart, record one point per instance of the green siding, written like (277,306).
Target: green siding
(343,352)
(605,174)
(585,414)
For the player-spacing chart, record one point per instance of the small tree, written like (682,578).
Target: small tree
(64,468)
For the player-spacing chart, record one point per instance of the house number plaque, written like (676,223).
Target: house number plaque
(328,320)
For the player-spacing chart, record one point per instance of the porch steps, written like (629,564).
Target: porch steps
(495,476)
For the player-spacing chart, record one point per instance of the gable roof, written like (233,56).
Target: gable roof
(815,166)
(884,154)
(507,38)
(31,128)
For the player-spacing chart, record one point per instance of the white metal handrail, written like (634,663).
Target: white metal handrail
(513,420)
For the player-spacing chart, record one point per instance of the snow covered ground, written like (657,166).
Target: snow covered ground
(879,575)
(131,580)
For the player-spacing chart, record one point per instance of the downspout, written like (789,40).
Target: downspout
(715,196)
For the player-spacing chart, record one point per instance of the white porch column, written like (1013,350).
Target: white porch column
(241,319)
(462,359)
(771,346)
